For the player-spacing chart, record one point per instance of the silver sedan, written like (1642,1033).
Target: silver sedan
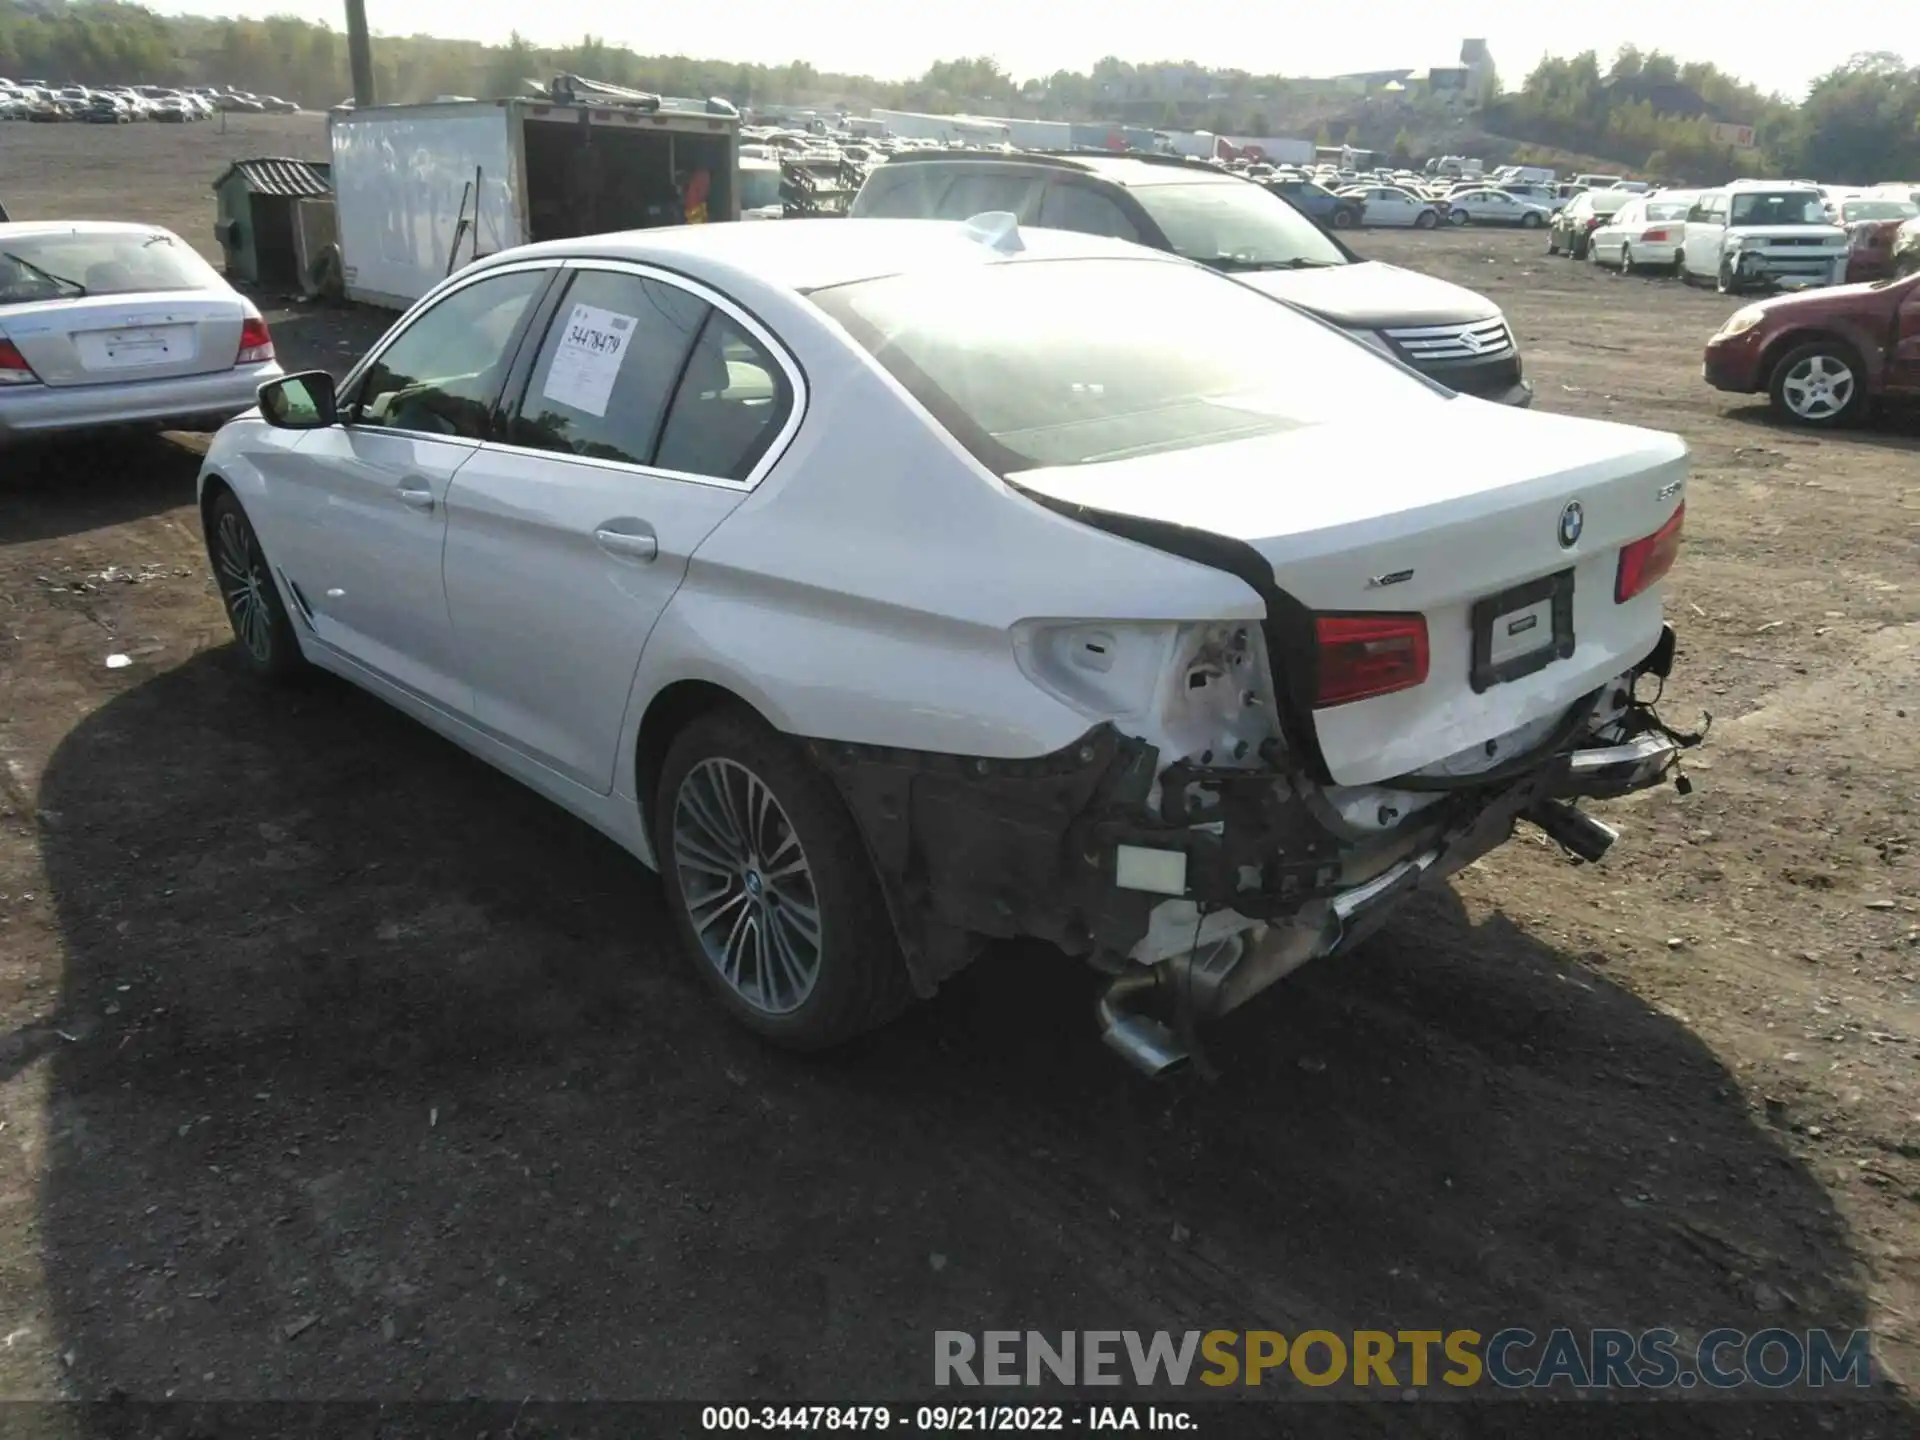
(110,324)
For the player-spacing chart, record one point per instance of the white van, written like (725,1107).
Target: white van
(1763,233)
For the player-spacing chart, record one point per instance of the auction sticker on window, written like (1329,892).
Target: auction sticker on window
(593,342)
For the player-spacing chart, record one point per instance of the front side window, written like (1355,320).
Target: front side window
(1046,363)
(441,375)
(607,367)
(69,264)
(1235,226)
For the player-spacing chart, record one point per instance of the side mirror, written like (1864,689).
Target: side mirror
(300,402)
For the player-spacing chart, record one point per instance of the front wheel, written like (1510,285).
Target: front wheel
(1425,220)
(1344,219)
(268,646)
(1529,221)
(771,888)
(1727,279)
(1457,217)
(1817,384)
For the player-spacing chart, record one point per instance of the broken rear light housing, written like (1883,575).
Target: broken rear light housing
(14,369)
(256,342)
(1645,562)
(1364,655)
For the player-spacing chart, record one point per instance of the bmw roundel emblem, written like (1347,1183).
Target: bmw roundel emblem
(1572,521)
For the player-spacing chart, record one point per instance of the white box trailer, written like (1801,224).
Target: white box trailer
(423,189)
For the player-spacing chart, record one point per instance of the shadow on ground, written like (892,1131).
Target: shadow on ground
(387,1083)
(55,489)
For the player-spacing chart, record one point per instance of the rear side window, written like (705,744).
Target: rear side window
(1082,208)
(732,401)
(608,365)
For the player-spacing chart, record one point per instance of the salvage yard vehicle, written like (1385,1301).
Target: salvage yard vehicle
(1872,228)
(1391,205)
(1763,233)
(1906,249)
(1823,357)
(105,324)
(1319,204)
(1644,234)
(1572,229)
(1445,331)
(1495,207)
(898,586)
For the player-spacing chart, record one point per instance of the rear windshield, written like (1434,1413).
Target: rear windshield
(1606,202)
(1791,208)
(1878,210)
(1668,209)
(1236,225)
(1032,364)
(64,264)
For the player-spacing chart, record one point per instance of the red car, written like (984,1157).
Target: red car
(1870,256)
(1823,356)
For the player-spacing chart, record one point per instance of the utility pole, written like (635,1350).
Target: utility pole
(360,54)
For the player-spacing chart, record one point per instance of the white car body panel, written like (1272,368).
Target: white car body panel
(1628,228)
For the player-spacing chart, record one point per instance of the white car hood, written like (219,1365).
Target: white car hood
(1369,295)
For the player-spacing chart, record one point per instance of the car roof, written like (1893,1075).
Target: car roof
(1126,169)
(21,229)
(803,256)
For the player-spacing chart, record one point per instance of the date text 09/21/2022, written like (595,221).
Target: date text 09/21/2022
(946,1419)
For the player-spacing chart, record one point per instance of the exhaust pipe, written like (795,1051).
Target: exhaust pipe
(1143,1042)
(1573,829)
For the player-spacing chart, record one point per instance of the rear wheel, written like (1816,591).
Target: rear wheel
(1457,217)
(1627,267)
(267,644)
(1530,221)
(1818,384)
(1553,240)
(771,888)
(1344,218)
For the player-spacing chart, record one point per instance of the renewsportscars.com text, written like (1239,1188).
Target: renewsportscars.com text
(1378,1360)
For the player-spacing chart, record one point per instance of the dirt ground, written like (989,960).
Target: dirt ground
(333,1065)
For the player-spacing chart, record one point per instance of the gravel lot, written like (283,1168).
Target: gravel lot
(333,1065)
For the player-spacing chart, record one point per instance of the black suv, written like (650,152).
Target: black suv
(1206,214)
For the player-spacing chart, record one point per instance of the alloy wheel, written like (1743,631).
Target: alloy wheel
(243,586)
(748,887)
(1818,388)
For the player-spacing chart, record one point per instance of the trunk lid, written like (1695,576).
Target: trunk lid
(1366,526)
(117,339)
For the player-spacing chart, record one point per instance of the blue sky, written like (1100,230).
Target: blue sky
(1769,42)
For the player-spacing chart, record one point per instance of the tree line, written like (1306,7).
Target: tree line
(1644,110)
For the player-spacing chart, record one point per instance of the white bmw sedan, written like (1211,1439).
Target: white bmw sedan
(897,586)
(108,324)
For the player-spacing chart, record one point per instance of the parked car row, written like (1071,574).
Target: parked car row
(36,100)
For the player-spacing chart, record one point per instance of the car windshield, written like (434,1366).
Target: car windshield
(759,189)
(1792,207)
(1236,226)
(1074,362)
(48,266)
(1878,210)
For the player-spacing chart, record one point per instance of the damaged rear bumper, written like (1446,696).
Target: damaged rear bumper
(1198,886)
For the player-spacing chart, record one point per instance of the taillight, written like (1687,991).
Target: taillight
(1594,221)
(256,342)
(1644,563)
(14,369)
(1366,655)
(1650,235)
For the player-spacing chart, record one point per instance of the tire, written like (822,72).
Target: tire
(1727,279)
(1457,217)
(263,636)
(1530,221)
(1426,220)
(1553,240)
(1818,384)
(836,975)
(1343,218)
(1627,266)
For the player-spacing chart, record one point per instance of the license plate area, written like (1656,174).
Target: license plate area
(1521,630)
(135,347)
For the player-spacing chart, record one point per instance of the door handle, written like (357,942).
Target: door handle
(415,498)
(638,543)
